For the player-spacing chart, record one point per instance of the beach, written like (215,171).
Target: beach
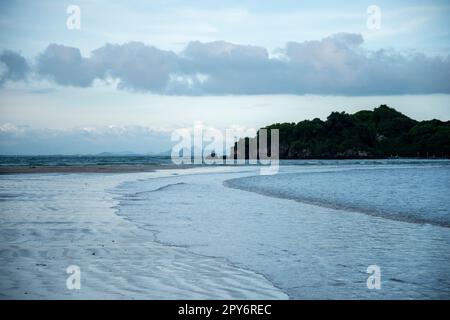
(196,233)
(70,219)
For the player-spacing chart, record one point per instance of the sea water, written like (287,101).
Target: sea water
(313,230)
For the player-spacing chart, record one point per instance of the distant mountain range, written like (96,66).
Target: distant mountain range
(131,154)
(381,133)
(116,154)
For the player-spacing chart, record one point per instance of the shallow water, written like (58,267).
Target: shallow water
(307,251)
(51,221)
(414,194)
(191,234)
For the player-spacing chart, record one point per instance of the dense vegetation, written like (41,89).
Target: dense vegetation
(383,132)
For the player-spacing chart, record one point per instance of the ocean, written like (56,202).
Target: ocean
(83,160)
(310,231)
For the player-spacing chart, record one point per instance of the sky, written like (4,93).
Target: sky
(136,70)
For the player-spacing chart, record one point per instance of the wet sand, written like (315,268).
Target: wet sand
(51,222)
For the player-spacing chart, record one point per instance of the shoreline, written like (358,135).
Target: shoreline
(191,228)
(136,168)
(289,247)
(90,169)
(119,257)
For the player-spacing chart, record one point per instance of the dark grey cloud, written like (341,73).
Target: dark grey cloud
(338,65)
(234,69)
(66,66)
(136,65)
(13,67)
(334,65)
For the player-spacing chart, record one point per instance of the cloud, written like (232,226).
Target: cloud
(230,68)
(66,66)
(13,67)
(15,140)
(137,66)
(334,65)
(338,65)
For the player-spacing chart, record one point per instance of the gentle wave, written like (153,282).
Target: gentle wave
(306,251)
(415,194)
